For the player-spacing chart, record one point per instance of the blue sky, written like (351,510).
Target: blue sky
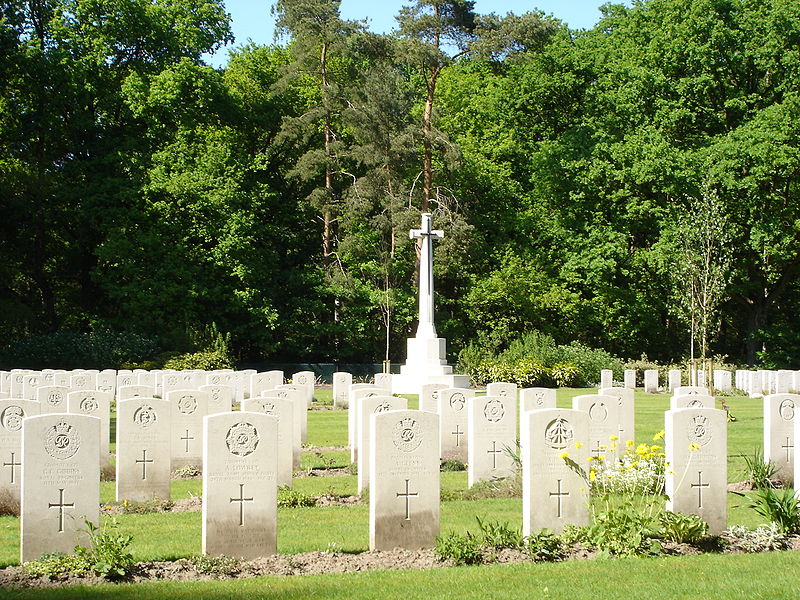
(252,19)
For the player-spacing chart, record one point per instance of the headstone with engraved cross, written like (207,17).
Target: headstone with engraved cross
(143,449)
(299,417)
(696,481)
(357,392)
(536,399)
(288,442)
(625,405)
(97,404)
(240,484)
(451,406)
(367,407)
(404,480)
(779,437)
(429,396)
(12,411)
(341,388)
(187,409)
(604,424)
(220,397)
(606,378)
(492,437)
(60,483)
(554,495)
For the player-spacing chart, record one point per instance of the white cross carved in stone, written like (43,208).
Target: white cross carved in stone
(61,505)
(144,461)
(241,500)
(13,464)
(700,485)
(559,496)
(494,452)
(186,439)
(788,447)
(458,433)
(407,495)
(426,329)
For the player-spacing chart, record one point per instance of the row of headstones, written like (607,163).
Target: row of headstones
(765,382)
(721,381)
(20,383)
(154,435)
(60,478)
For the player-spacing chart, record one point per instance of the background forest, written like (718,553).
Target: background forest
(631,188)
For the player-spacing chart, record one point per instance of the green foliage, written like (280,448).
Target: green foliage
(102,349)
(766,538)
(108,556)
(291,498)
(453,464)
(780,507)
(206,360)
(544,545)
(217,566)
(461,549)
(682,528)
(623,531)
(499,535)
(760,473)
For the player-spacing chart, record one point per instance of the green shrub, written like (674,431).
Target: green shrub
(682,528)
(103,349)
(288,498)
(453,464)
(780,507)
(461,549)
(207,360)
(565,374)
(544,545)
(499,535)
(622,531)
(759,473)
(218,566)
(766,538)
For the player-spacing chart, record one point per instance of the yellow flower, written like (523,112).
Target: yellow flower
(655,448)
(590,459)
(629,443)
(613,438)
(658,436)
(578,445)
(694,446)
(601,457)
(602,447)
(662,455)
(592,475)
(564,454)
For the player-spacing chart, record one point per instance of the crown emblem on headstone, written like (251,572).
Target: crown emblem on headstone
(62,441)
(407,434)
(699,430)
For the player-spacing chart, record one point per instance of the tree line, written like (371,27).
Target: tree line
(632,187)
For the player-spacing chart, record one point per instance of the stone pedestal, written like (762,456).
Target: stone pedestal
(426,364)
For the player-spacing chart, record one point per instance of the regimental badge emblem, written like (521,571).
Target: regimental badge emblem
(11,418)
(268,407)
(55,398)
(407,434)
(786,410)
(145,416)
(457,401)
(187,404)
(695,404)
(62,441)
(558,434)
(215,380)
(699,430)
(494,411)
(383,407)
(598,412)
(539,397)
(242,439)
(88,404)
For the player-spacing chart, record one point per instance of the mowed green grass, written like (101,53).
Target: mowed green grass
(346,528)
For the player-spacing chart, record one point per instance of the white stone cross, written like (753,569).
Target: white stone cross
(426,329)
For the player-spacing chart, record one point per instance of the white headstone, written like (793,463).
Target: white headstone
(692,401)
(779,437)
(107,381)
(429,396)
(288,439)
(690,390)
(187,409)
(83,380)
(630,378)
(143,449)
(12,412)
(604,424)
(452,409)
(502,390)
(30,383)
(52,398)
(305,380)
(722,380)
(492,433)
(553,494)
(126,392)
(697,457)
(357,392)
(783,381)
(95,404)
(606,378)
(240,486)
(366,407)
(404,480)
(296,399)
(220,398)
(627,413)
(651,381)
(674,379)
(261,382)
(299,398)
(383,381)
(341,388)
(536,399)
(60,483)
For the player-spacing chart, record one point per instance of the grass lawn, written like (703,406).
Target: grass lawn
(346,528)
